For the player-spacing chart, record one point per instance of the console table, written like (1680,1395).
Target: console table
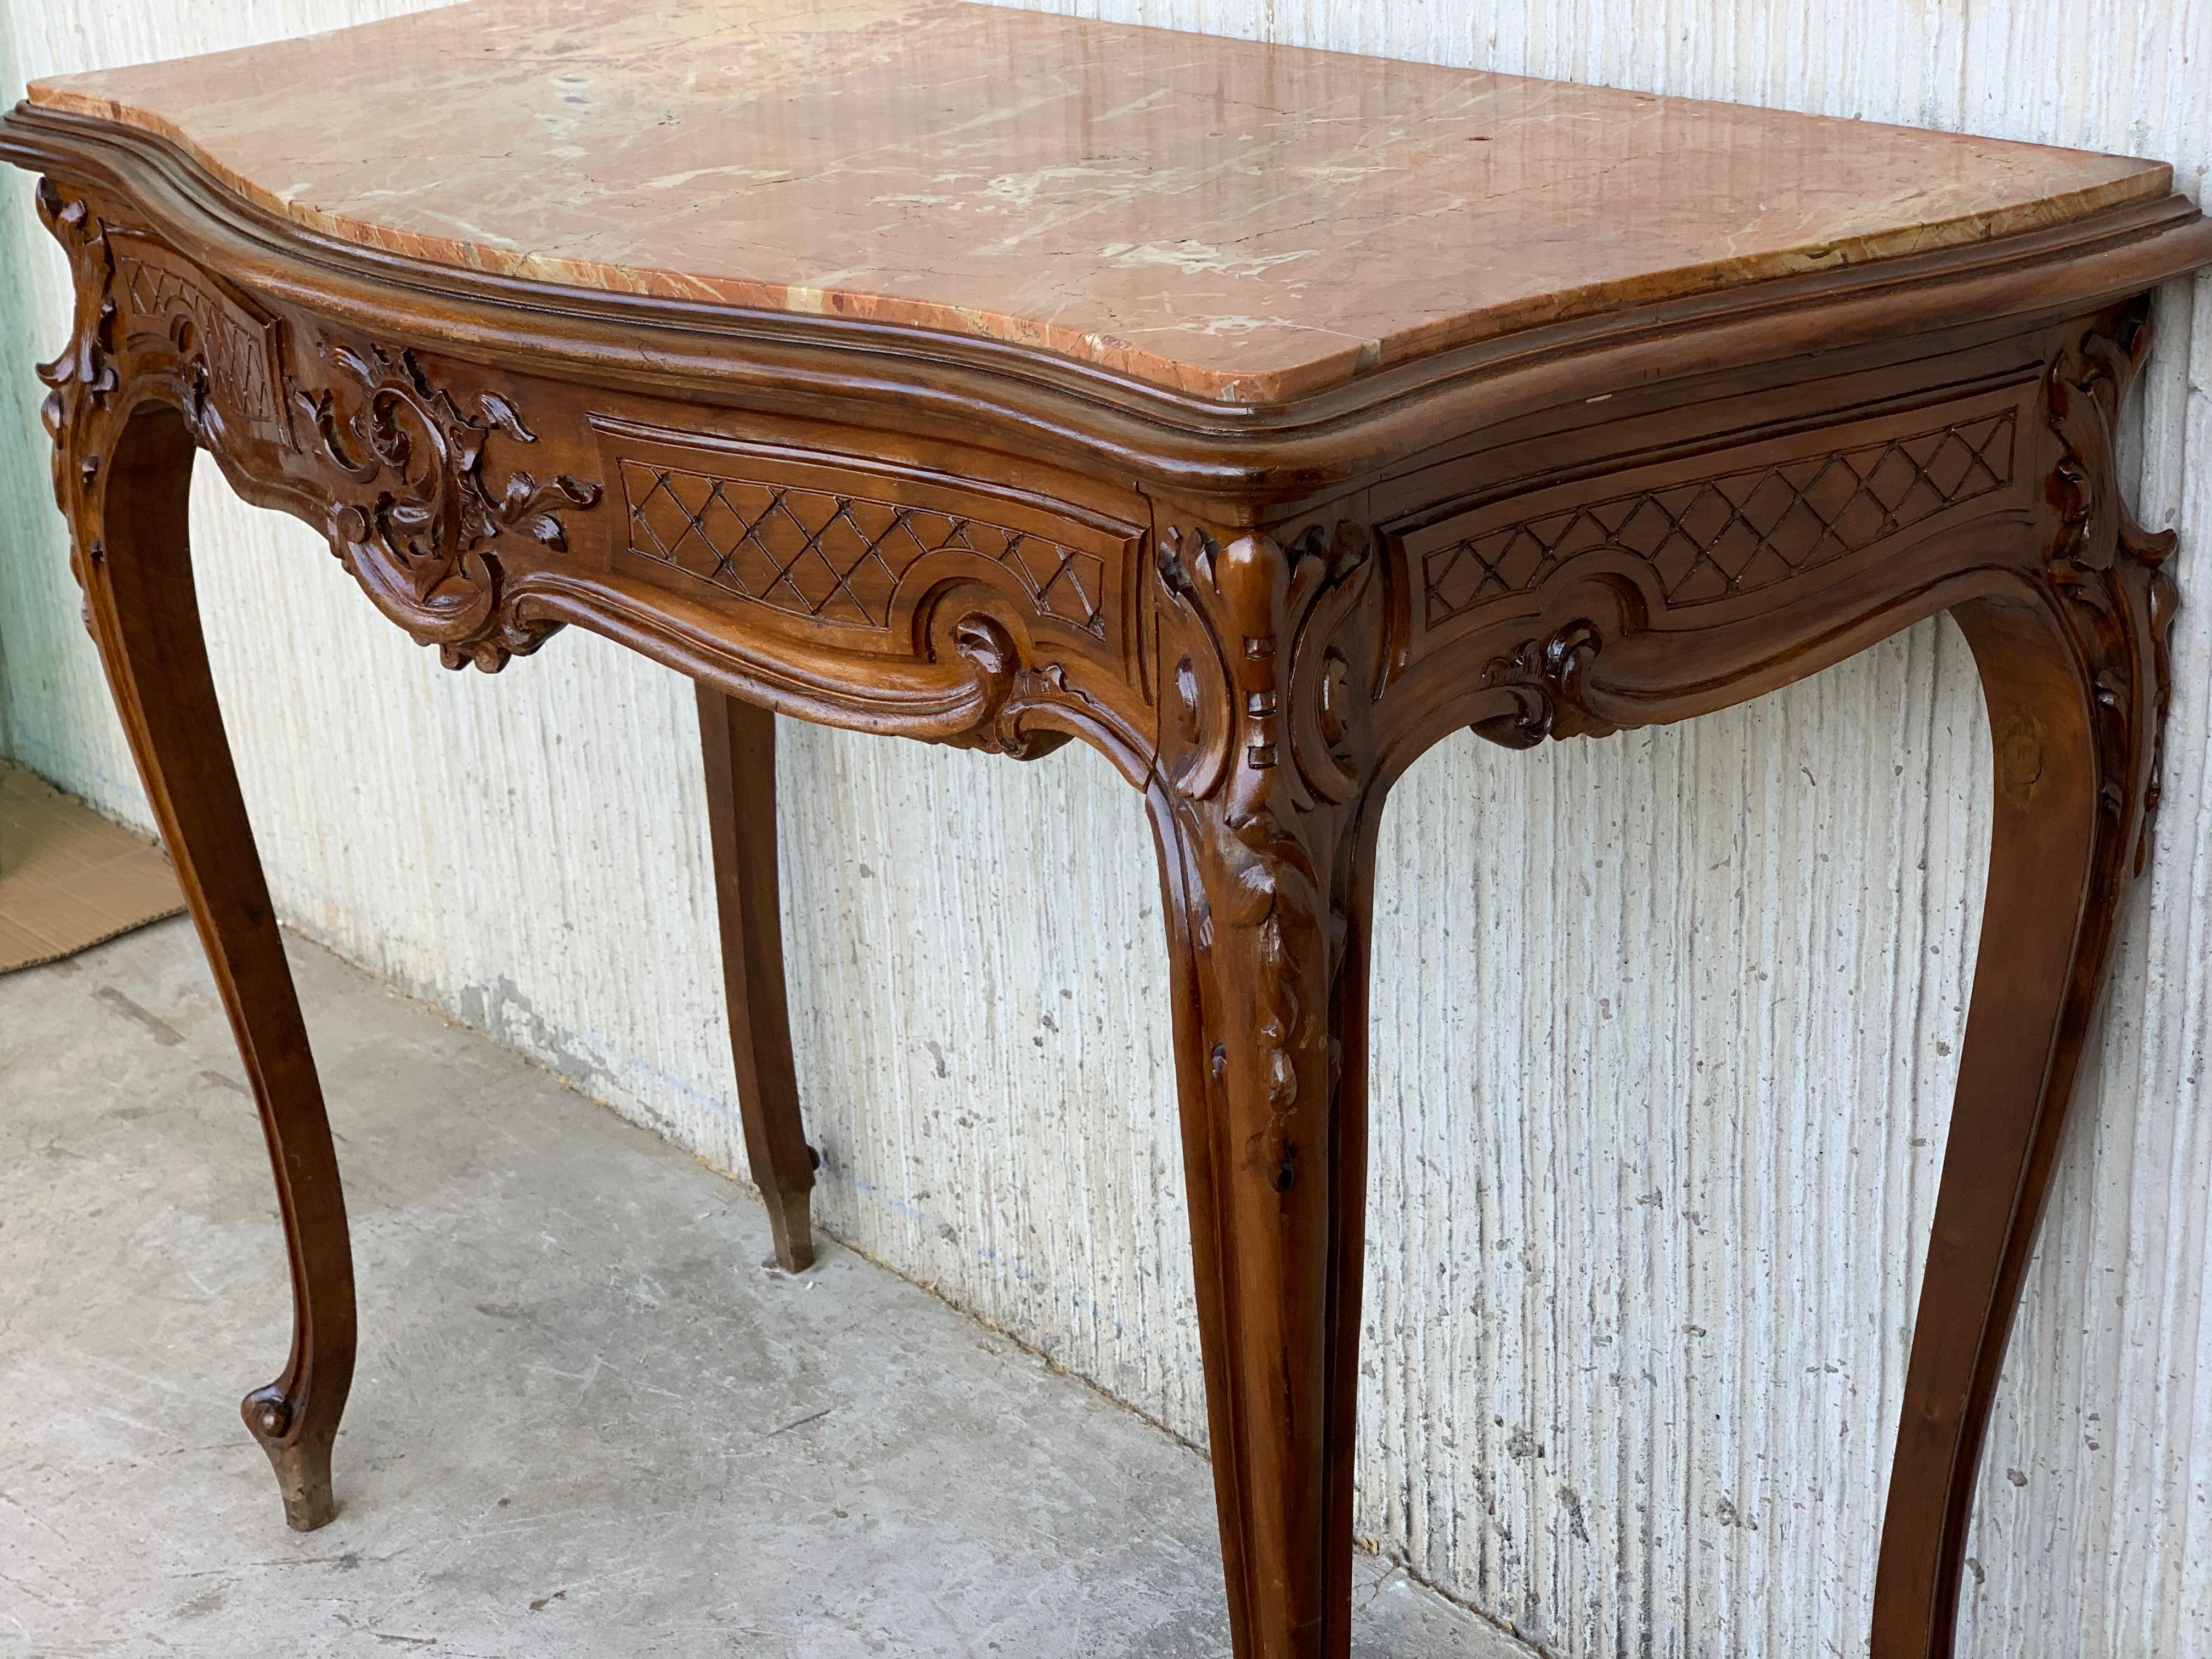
(1256,415)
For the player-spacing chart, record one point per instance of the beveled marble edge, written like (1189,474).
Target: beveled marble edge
(1310,371)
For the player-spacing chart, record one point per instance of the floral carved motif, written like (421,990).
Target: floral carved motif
(413,515)
(396,467)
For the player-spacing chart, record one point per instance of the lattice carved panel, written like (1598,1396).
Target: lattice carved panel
(238,348)
(854,545)
(1712,537)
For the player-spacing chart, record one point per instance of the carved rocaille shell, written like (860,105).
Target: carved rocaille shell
(401,464)
(412,513)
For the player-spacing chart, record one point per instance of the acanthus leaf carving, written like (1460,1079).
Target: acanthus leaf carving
(1263,805)
(2083,390)
(81,381)
(2109,572)
(426,541)
(396,464)
(1544,678)
(1013,691)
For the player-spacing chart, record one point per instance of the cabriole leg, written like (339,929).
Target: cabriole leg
(133,553)
(2075,700)
(737,741)
(1267,927)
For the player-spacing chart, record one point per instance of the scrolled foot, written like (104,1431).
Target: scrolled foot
(302,1464)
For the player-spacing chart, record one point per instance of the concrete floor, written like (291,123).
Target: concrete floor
(587,1421)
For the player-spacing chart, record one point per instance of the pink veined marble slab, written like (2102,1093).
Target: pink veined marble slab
(1244,222)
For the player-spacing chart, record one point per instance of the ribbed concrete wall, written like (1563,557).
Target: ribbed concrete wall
(1665,1025)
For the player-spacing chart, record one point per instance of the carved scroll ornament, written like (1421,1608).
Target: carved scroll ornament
(395,467)
(2109,573)
(83,381)
(412,513)
(1287,639)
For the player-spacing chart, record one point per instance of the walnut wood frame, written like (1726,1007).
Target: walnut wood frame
(1260,616)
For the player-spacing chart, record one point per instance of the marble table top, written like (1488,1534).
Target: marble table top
(1244,223)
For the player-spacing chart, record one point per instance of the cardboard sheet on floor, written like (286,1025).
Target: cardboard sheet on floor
(69,878)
